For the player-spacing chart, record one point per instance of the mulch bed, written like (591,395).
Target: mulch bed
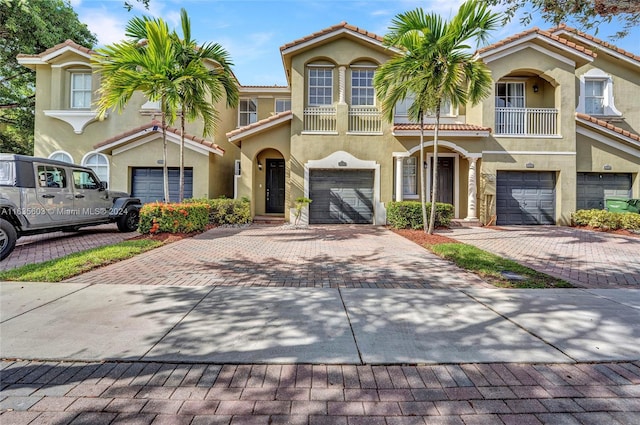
(421,238)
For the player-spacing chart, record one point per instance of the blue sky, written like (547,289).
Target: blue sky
(253,30)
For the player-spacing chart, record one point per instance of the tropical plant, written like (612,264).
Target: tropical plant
(147,65)
(300,204)
(434,65)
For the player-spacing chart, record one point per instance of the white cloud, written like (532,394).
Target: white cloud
(108,26)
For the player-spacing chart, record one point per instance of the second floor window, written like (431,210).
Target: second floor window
(81,90)
(248,112)
(320,86)
(283,105)
(594,97)
(362,93)
(510,95)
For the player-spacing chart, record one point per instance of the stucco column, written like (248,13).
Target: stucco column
(399,178)
(342,75)
(472,192)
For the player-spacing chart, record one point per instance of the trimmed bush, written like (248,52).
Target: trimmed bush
(408,214)
(606,220)
(173,218)
(226,211)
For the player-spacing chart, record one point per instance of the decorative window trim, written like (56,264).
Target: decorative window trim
(70,161)
(88,155)
(596,74)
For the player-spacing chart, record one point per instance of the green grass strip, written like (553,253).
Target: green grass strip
(74,264)
(489,265)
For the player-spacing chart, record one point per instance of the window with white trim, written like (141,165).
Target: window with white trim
(596,94)
(247,112)
(80,90)
(362,92)
(594,97)
(99,164)
(510,95)
(410,176)
(283,105)
(61,156)
(320,86)
(402,110)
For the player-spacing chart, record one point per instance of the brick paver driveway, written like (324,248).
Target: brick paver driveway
(585,258)
(318,256)
(39,248)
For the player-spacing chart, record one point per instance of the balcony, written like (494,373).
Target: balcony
(320,120)
(365,120)
(525,122)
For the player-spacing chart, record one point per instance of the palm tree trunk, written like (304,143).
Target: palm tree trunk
(434,182)
(181,198)
(423,176)
(165,167)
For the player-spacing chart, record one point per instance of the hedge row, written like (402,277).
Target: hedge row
(606,220)
(173,218)
(226,211)
(408,214)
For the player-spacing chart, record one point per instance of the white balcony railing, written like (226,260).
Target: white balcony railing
(320,119)
(365,120)
(527,121)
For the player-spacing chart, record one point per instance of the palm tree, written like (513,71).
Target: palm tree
(198,80)
(146,64)
(435,65)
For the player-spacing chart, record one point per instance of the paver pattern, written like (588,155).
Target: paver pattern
(47,246)
(585,258)
(168,393)
(318,256)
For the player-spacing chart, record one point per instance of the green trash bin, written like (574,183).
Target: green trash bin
(622,205)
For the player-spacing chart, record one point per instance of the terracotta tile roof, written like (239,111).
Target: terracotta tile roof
(67,43)
(543,33)
(563,27)
(443,127)
(150,126)
(257,124)
(608,126)
(341,25)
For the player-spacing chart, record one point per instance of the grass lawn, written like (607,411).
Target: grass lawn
(79,262)
(488,266)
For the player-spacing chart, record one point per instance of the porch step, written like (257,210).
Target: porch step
(268,219)
(459,222)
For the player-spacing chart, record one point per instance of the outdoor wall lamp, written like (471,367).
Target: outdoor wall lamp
(259,166)
(535,88)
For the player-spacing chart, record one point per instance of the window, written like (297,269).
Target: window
(51,176)
(510,95)
(362,93)
(99,164)
(402,110)
(84,180)
(61,156)
(409,176)
(594,97)
(283,105)
(320,86)
(81,90)
(7,173)
(596,94)
(248,112)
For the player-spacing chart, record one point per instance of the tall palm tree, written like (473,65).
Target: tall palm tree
(146,64)
(202,86)
(435,65)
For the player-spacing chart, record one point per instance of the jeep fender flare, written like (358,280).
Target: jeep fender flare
(120,206)
(11,212)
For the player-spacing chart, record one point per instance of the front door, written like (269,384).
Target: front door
(275,186)
(445,179)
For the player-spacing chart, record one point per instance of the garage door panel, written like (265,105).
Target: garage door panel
(341,196)
(525,197)
(148,185)
(594,188)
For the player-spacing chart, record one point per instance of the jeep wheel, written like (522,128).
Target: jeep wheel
(128,222)
(8,237)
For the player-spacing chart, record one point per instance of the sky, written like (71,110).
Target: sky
(252,31)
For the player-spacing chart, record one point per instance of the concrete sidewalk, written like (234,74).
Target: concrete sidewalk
(67,321)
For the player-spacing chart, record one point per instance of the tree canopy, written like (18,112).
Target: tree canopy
(29,27)
(588,14)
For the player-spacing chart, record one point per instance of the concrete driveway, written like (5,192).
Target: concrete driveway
(585,258)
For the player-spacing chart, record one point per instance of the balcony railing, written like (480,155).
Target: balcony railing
(527,121)
(365,120)
(320,119)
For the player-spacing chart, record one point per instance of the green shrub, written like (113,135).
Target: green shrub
(408,214)
(606,220)
(173,218)
(226,211)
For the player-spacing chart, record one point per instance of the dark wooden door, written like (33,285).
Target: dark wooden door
(445,179)
(275,186)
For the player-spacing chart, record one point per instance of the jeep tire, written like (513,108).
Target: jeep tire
(128,222)
(8,237)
